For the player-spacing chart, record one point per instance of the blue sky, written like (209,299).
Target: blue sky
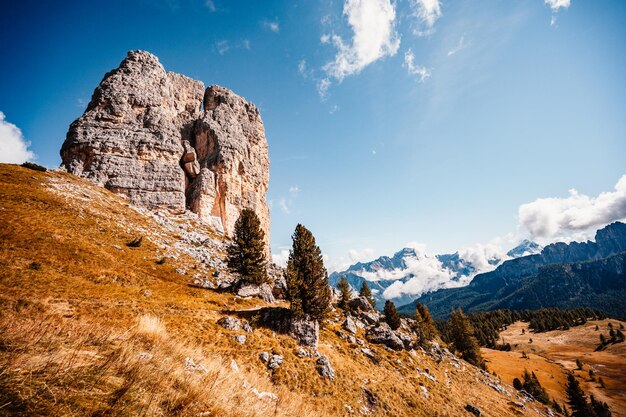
(450,124)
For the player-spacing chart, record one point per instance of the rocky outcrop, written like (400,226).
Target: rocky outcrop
(163,142)
(383,334)
(305,331)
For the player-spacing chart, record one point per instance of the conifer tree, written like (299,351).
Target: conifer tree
(346,293)
(599,408)
(391,315)
(532,385)
(367,293)
(463,338)
(425,322)
(576,398)
(246,253)
(306,276)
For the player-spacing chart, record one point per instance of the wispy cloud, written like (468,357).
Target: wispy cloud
(222,47)
(422,72)
(427,12)
(573,217)
(210,4)
(459,46)
(374,36)
(285,202)
(271,25)
(13,145)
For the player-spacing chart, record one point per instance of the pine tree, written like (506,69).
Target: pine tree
(246,253)
(463,338)
(367,293)
(576,398)
(517,384)
(391,315)
(346,293)
(599,408)
(532,385)
(306,276)
(425,321)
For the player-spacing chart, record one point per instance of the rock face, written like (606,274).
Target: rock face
(162,141)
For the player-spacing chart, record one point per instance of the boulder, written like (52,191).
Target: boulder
(264,292)
(232,323)
(305,331)
(370,317)
(360,303)
(324,367)
(349,325)
(382,334)
(470,408)
(275,361)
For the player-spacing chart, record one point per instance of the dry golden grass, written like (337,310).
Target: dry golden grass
(552,354)
(79,337)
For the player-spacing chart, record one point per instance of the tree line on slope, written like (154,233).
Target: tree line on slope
(489,324)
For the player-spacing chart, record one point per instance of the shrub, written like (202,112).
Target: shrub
(34,166)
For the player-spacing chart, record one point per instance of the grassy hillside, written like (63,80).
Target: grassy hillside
(552,354)
(92,327)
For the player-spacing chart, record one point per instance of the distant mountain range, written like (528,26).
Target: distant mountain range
(420,271)
(588,274)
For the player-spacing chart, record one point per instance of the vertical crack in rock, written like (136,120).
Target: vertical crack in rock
(147,136)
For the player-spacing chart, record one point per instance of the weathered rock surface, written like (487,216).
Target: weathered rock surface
(324,367)
(234,324)
(361,304)
(383,334)
(162,141)
(349,325)
(306,332)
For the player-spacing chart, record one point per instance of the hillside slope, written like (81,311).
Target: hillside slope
(90,326)
(552,354)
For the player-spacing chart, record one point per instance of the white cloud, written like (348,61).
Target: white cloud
(245,44)
(409,62)
(302,69)
(483,257)
(322,88)
(13,145)
(281,257)
(374,37)
(271,26)
(210,5)
(285,202)
(459,46)
(222,47)
(427,12)
(573,217)
(555,5)
(364,255)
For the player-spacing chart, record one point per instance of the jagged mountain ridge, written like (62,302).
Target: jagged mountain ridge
(594,268)
(458,268)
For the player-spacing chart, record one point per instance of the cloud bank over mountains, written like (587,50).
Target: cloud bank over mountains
(575,217)
(413,271)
